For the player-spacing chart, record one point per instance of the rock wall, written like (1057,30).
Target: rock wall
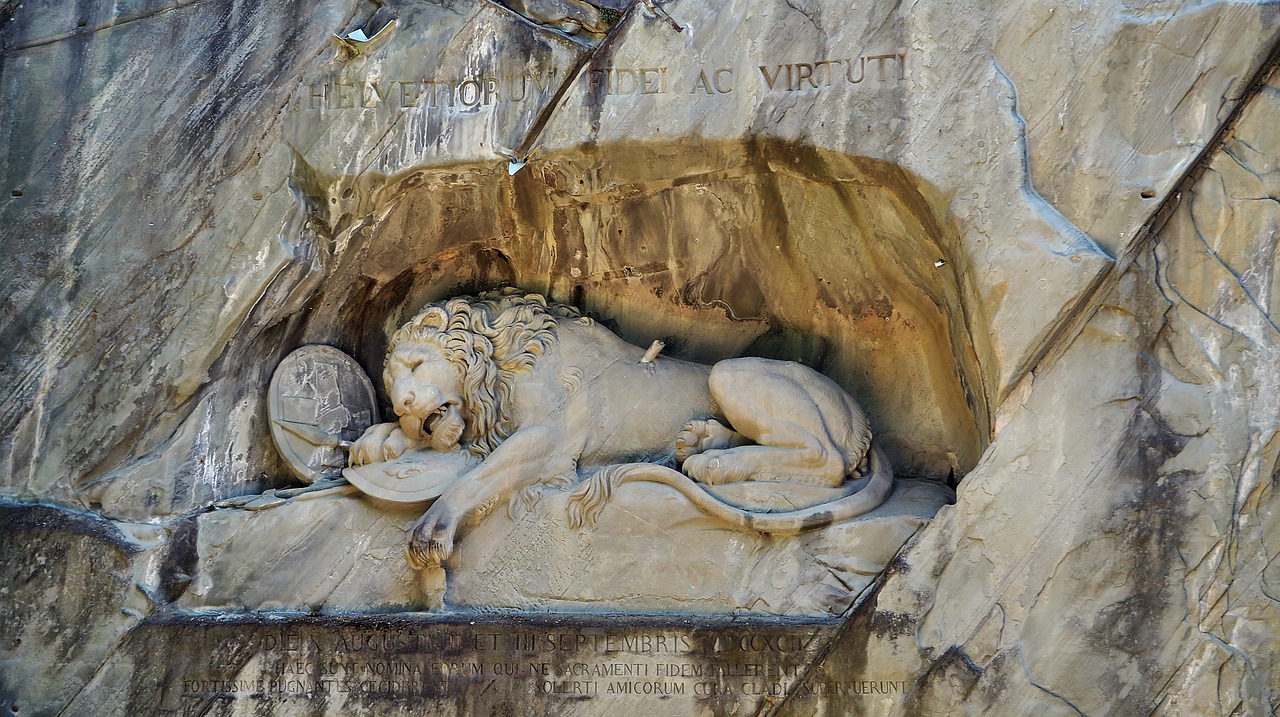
(1035,240)
(1134,575)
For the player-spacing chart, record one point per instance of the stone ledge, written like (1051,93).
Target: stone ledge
(346,553)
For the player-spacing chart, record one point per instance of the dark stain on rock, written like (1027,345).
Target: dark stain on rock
(788,344)
(952,673)
(888,624)
(181,556)
(494,267)
(363,332)
(1149,518)
(26,518)
(65,575)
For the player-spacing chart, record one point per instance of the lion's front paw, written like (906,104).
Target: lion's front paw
(430,540)
(380,442)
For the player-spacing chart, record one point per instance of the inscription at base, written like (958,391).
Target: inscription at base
(398,664)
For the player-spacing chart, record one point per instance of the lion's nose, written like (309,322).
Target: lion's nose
(412,401)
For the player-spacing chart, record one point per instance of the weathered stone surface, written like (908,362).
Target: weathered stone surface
(333,552)
(1008,117)
(1115,558)
(151,302)
(179,215)
(346,553)
(226,222)
(143,254)
(452,82)
(416,664)
(71,587)
(638,558)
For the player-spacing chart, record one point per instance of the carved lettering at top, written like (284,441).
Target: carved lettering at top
(625,81)
(875,69)
(472,93)
(482,92)
(825,73)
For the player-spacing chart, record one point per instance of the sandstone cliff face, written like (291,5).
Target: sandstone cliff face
(1134,574)
(1036,241)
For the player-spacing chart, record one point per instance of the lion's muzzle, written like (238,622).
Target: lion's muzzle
(441,426)
(419,410)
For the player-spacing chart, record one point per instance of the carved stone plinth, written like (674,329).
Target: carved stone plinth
(345,552)
(283,665)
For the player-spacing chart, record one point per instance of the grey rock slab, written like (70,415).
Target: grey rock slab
(149,232)
(71,587)
(1112,552)
(334,552)
(638,558)
(346,553)
(452,82)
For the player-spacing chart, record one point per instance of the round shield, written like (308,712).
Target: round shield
(319,401)
(414,477)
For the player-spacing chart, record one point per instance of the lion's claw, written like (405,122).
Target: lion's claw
(380,442)
(430,541)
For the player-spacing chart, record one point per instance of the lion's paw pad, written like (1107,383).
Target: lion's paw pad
(700,436)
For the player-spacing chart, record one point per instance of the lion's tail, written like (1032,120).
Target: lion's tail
(590,498)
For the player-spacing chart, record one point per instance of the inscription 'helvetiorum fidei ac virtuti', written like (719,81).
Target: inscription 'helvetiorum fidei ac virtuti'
(477,91)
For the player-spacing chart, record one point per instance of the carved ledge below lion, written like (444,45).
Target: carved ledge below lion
(341,553)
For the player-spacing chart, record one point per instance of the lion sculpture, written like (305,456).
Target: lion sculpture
(540,394)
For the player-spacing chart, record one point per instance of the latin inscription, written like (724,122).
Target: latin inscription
(466,94)
(453,662)
(479,92)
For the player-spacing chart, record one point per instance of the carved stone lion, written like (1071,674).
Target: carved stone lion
(541,396)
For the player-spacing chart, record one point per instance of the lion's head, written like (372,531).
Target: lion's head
(450,370)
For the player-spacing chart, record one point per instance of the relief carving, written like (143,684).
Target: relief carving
(319,401)
(504,395)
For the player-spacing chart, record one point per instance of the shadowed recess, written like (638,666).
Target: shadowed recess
(720,249)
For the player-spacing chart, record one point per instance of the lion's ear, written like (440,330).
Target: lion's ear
(433,318)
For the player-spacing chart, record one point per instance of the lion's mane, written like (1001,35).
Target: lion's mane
(490,338)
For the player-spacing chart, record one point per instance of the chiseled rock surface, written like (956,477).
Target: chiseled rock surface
(340,552)
(957,237)
(1039,123)
(72,585)
(167,224)
(1115,551)
(344,553)
(651,551)
(183,214)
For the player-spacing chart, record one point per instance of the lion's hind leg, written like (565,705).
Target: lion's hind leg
(808,463)
(798,418)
